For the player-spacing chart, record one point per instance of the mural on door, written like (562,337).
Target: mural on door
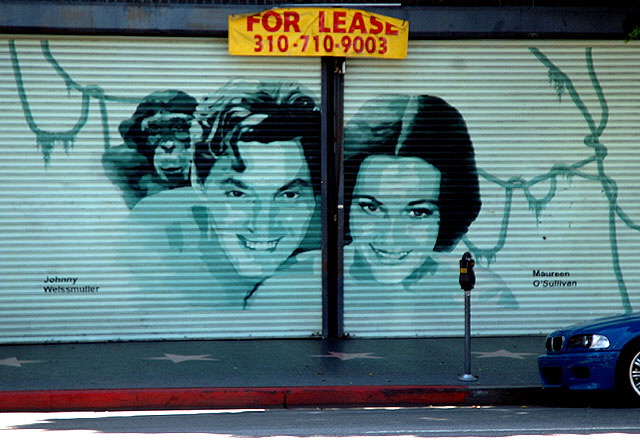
(222,193)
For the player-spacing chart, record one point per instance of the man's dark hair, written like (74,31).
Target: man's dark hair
(258,111)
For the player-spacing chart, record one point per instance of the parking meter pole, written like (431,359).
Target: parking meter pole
(467,283)
(467,376)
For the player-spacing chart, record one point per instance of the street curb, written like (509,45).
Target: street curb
(232,398)
(351,396)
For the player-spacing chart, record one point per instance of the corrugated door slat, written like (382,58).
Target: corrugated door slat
(90,252)
(555,127)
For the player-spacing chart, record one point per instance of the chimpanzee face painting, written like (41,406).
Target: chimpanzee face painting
(169,136)
(159,146)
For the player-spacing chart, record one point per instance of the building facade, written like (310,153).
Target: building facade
(155,186)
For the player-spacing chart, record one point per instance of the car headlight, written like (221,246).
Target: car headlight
(589,341)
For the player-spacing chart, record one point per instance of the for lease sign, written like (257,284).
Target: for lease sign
(334,32)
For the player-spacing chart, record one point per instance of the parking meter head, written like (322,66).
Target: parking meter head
(467,275)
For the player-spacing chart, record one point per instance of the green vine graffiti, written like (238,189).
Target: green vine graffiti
(562,83)
(46,141)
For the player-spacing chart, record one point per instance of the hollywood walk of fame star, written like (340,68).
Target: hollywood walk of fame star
(347,356)
(503,353)
(14,362)
(177,358)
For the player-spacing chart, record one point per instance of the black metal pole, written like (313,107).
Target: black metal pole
(332,198)
(467,376)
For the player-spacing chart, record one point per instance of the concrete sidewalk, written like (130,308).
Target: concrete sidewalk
(268,373)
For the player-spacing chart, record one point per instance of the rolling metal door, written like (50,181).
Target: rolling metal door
(555,129)
(103,238)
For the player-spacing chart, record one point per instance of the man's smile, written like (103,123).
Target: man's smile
(268,246)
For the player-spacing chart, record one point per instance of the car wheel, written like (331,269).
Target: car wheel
(628,374)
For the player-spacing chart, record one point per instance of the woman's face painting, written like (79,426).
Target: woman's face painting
(394,215)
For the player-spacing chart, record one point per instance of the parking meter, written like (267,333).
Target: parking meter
(467,275)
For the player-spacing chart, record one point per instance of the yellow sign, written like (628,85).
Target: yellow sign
(336,32)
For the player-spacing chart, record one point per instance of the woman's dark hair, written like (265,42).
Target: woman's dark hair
(428,128)
(258,111)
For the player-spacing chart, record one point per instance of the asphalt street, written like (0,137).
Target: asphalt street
(396,424)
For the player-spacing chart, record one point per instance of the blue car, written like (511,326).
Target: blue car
(603,354)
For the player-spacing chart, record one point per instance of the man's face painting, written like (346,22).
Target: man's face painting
(394,215)
(170,136)
(261,215)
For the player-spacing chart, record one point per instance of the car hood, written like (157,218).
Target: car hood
(607,322)
(616,327)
